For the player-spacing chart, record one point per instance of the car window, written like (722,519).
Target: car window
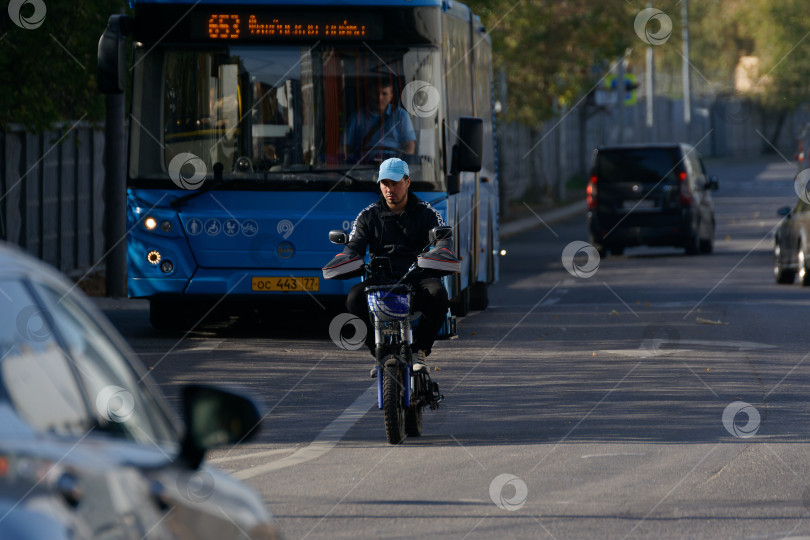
(649,165)
(696,167)
(34,371)
(122,404)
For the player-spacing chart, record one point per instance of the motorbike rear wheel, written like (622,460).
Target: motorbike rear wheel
(413,416)
(393,410)
(413,421)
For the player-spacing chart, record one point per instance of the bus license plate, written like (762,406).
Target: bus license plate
(291,284)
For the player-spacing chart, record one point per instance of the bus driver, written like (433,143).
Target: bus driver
(381,126)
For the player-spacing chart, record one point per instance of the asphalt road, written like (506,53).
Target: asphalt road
(663,396)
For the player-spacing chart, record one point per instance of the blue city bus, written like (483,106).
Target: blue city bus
(239,159)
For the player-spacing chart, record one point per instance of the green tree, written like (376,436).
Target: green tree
(781,37)
(550,50)
(717,40)
(48,69)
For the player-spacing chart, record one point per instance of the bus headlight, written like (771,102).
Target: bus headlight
(166,267)
(166,226)
(150,223)
(153,257)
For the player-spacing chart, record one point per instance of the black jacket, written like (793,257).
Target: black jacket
(399,237)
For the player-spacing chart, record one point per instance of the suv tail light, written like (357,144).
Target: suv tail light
(685,191)
(591,191)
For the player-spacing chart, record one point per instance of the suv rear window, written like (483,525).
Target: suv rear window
(648,165)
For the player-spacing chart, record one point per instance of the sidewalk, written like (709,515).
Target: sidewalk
(549,216)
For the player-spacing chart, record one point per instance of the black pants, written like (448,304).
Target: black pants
(430,297)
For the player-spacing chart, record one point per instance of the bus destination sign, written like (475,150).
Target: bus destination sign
(222,26)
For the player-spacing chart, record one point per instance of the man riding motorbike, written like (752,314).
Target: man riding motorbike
(397,226)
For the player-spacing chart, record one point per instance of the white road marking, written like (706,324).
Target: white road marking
(620,454)
(326,439)
(742,345)
(264,453)
(206,346)
(554,299)
(650,348)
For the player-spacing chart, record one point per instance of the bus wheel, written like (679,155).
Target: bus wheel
(479,296)
(460,306)
(165,315)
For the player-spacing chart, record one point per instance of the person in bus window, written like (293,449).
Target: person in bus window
(381,128)
(397,226)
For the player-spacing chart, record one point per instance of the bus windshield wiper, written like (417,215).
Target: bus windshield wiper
(218,181)
(343,172)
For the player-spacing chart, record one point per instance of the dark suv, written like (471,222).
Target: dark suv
(650,194)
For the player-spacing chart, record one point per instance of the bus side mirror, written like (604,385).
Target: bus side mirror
(338,237)
(470,144)
(440,233)
(112,72)
(466,153)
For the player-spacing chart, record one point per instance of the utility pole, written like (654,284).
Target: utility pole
(111,82)
(620,94)
(687,87)
(649,83)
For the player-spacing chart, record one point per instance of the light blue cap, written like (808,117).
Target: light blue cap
(393,169)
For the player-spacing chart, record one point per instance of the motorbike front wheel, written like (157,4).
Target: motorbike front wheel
(393,410)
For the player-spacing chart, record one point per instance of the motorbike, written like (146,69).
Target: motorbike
(404,387)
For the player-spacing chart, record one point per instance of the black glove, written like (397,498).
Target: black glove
(343,266)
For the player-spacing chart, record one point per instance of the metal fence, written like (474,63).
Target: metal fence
(51,194)
(537,163)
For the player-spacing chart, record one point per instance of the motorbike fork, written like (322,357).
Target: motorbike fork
(387,355)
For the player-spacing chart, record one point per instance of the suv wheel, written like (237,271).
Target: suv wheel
(693,245)
(600,249)
(693,242)
(706,245)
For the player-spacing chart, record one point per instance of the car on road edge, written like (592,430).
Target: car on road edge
(88,446)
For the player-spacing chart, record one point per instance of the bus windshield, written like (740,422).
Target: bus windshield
(286,113)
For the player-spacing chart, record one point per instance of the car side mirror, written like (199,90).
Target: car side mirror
(440,233)
(214,417)
(713,183)
(784,211)
(338,237)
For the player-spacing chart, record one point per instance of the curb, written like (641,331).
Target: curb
(558,214)
(117,304)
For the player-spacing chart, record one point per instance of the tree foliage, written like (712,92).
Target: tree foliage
(553,52)
(48,70)
(780,33)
